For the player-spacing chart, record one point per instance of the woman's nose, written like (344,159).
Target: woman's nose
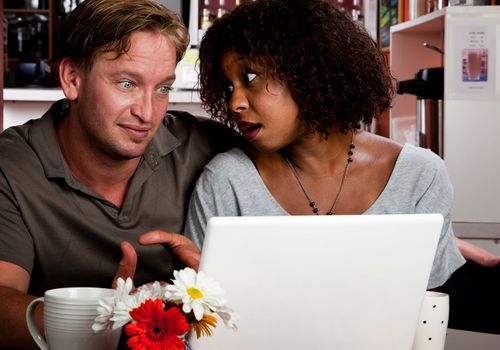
(238,101)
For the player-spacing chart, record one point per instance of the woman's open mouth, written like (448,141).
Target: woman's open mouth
(249,130)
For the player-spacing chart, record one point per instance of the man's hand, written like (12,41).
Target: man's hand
(128,263)
(181,247)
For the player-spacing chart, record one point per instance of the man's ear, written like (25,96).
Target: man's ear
(69,77)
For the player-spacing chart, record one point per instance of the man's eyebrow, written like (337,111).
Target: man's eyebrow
(136,76)
(170,78)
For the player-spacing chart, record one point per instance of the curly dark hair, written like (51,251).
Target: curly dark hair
(334,70)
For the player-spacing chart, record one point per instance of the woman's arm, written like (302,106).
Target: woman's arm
(477,254)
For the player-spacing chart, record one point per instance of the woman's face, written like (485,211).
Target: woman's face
(262,107)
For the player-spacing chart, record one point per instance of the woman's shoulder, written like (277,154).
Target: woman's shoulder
(386,151)
(233,160)
(386,163)
(420,168)
(376,152)
(417,157)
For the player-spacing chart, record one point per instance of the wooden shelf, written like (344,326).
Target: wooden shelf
(46,16)
(28,11)
(430,22)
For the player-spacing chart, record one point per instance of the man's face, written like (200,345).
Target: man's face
(122,101)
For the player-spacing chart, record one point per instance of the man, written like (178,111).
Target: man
(101,168)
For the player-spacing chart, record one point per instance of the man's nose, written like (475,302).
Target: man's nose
(143,106)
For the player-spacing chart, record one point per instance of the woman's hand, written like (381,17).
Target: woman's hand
(477,254)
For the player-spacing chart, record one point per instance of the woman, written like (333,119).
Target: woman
(298,79)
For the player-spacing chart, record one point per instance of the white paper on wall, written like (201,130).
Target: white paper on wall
(474,52)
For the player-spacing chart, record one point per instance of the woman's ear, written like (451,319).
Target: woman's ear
(69,77)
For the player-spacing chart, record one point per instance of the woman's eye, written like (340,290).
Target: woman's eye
(251,76)
(230,88)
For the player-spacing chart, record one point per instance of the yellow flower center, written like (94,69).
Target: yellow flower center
(195,293)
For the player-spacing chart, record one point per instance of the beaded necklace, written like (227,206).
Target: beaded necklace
(312,204)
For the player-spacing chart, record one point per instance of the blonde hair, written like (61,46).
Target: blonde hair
(98,26)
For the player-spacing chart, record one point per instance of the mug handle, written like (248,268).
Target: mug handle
(30,319)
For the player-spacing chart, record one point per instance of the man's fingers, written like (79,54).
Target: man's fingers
(189,258)
(173,240)
(128,263)
(181,247)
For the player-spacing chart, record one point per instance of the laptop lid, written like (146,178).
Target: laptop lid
(320,282)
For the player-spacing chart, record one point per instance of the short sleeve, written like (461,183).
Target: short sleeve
(438,198)
(16,244)
(212,196)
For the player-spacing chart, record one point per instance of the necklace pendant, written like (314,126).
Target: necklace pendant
(312,204)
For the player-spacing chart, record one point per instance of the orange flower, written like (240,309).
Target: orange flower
(204,326)
(156,328)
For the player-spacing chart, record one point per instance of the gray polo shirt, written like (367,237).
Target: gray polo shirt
(63,233)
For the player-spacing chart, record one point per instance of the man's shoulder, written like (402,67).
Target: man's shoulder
(182,123)
(14,143)
(219,137)
(19,162)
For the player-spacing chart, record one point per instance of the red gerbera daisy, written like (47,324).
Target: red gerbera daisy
(156,328)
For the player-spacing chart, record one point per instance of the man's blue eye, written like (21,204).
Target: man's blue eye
(127,84)
(165,89)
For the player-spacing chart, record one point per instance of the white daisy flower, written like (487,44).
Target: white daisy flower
(152,290)
(108,306)
(197,292)
(121,315)
(105,310)
(123,288)
(123,307)
(229,317)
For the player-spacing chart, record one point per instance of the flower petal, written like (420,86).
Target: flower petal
(156,328)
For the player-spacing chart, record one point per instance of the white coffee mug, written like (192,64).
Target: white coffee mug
(433,322)
(68,317)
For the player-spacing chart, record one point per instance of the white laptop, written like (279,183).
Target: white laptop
(320,282)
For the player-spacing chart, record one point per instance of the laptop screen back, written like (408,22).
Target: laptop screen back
(320,282)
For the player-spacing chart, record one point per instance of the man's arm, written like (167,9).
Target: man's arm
(14,300)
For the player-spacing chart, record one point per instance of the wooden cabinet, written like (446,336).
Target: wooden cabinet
(32,33)
(29,29)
